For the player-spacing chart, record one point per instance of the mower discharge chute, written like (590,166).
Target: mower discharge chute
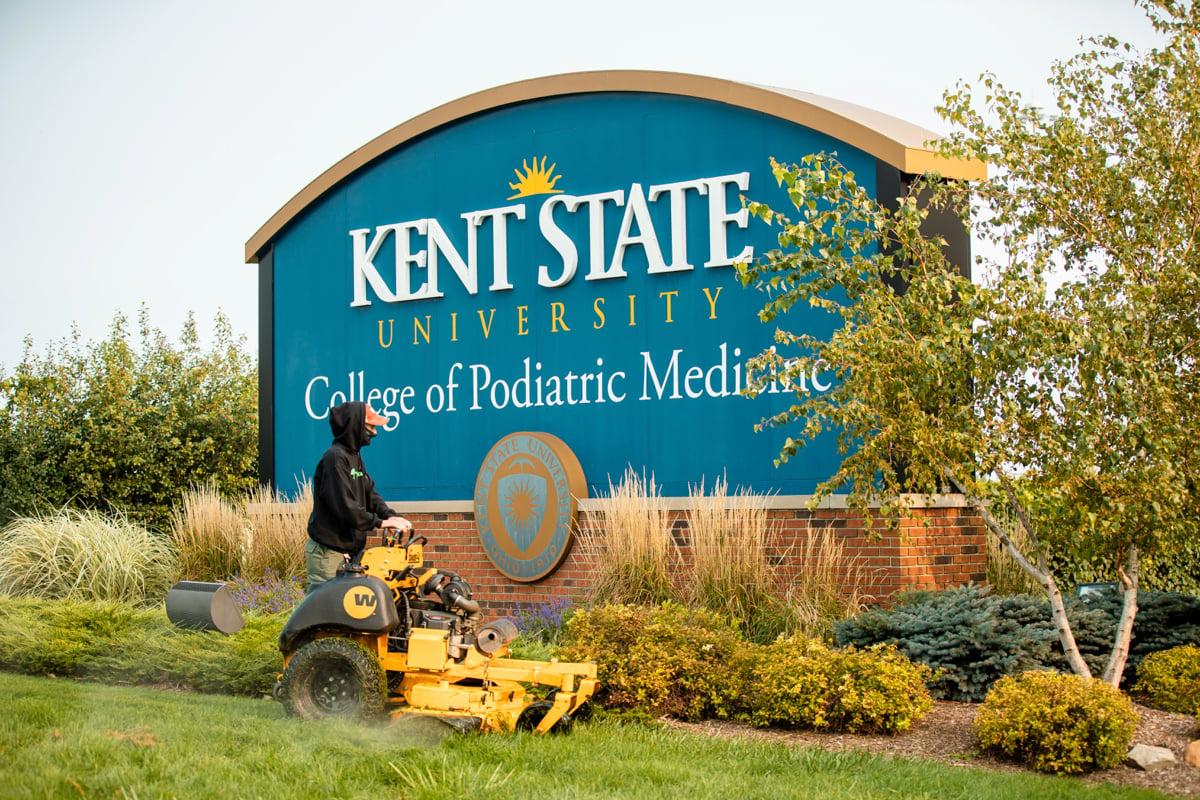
(389,634)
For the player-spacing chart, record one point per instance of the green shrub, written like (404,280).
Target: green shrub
(967,636)
(662,660)
(971,637)
(61,637)
(1165,620)
(1057,723)
(1170,680)
(85,555)
(129,422)
(120,643)
(802,682)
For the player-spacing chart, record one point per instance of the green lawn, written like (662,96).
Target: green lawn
(60,738)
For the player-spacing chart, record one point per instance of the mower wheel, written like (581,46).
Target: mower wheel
(534,713)
(333,678)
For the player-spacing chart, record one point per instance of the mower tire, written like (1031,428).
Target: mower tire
(333,678)
(534,713)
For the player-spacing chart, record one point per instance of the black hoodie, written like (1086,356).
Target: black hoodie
(346,506)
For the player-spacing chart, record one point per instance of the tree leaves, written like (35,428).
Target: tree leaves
(126,424)
(1071,365)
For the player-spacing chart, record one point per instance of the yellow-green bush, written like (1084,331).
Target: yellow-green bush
(1057,723)
(1170,680)
(659,660)
(804,683)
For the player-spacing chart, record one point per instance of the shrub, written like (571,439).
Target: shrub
(971,637)
(1165,620)
(85,555)
(663,660)
(802,682)
(1170,680)
(40,637)
(129,422)
(968,637)
(117,642)
(1057,723)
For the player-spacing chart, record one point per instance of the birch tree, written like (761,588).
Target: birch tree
(1066,370)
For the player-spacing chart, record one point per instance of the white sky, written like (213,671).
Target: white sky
(142,143)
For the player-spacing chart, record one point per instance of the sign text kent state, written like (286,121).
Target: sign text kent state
(562,265)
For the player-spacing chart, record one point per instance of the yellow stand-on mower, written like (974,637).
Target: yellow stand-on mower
(390,634)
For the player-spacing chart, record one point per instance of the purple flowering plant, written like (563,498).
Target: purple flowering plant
(270,593)
(542,621)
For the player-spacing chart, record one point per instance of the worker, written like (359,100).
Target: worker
(346,507)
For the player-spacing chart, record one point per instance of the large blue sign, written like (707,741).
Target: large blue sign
(561,264)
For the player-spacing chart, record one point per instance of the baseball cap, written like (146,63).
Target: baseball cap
(375,418)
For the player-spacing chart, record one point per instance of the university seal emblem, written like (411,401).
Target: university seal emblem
(525,504)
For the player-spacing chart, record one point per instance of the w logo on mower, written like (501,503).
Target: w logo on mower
(360,602)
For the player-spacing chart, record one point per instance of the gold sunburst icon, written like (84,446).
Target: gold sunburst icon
(536,179)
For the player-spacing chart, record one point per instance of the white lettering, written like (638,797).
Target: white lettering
(499,218)
(559,241)
(677,195)
(441,249)
(636,211)
(719,217)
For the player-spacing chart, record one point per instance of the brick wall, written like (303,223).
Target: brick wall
(937,547)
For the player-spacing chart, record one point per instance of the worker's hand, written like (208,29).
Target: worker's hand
(398,523)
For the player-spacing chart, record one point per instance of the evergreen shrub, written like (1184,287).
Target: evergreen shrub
(1057,723)
(1170,680)
(971,637)
(120,643)
(803,683)
(661,660)
(1165,620)
(967,636)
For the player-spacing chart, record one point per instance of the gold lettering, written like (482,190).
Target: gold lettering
(599,301)
(632,318)
(391,332)
(669,295)
(556,317)
(487,326)
(418,330)
(712,301)
(454,325)
(522,320)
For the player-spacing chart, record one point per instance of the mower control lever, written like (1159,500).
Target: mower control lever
(392,536)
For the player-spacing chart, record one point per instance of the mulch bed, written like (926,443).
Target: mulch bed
(946,735)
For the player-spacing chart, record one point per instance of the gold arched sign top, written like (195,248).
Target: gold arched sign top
(894,141)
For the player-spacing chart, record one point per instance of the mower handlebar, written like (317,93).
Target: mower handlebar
(391,536)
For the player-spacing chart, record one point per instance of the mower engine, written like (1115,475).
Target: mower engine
(390,634)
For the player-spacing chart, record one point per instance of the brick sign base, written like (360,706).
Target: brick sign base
(935,548)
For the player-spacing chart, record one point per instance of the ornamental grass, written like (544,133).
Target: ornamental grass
(84,555)
(632,553)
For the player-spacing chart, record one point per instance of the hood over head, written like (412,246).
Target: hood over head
(349,424)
